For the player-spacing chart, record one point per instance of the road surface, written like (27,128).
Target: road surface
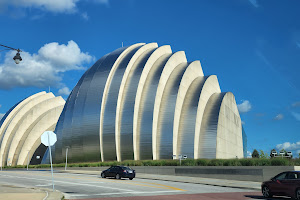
(83,186)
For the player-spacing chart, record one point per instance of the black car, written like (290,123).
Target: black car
(284,184)
(118,172)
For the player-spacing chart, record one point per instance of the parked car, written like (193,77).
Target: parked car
(283,184)
(118,172)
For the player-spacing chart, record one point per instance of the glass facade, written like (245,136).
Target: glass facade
(244,142)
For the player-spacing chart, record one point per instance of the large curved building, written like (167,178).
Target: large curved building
(146,102)
(22,126)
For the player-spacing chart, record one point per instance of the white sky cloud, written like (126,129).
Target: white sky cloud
(55,6)
(254,3)
(293,147)
(49,5)
(244,107)
(249,154)
(279,117)
(44,68)
(296,115)
(1,115)
(296,104)
(101,1)
(64,91)
(85,16)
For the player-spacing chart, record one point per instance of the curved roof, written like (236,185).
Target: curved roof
(23,125)
(142,102)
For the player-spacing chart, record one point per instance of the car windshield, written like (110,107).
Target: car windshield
(126,168)
(281,176)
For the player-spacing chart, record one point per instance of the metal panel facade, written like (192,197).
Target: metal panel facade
(101,119)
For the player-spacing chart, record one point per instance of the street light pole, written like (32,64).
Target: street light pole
(17,58)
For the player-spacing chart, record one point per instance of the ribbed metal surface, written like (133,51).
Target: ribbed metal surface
(119,113)
(209,126)
(166,116)
(187,123)
(147,106)
(127,107)
(110,105)
(78,126)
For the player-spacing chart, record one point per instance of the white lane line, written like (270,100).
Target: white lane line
(67,173)
(69,183)
(79,195)
(43,185)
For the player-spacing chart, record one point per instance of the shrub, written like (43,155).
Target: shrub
(215,162)
(188,162)
(232,162)
(279,162)
(201,162)
(262,162)
(247,162)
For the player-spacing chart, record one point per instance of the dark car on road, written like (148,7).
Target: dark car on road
(284,184)
(118,172)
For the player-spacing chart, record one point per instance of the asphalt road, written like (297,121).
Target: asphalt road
(82,186)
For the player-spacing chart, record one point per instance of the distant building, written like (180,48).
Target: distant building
(145,102)
(22,126)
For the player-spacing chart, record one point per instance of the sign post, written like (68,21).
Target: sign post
(180,157)
(67,147)
(27,159)
(49,138)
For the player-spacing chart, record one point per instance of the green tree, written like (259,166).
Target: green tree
(255,154)
(262,154)
(283,150)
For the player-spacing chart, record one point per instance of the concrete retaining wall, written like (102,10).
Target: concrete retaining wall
(251,173)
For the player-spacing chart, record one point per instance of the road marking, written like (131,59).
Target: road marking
(78,195)
(137,183)
(161,186)
(169,187)
(68,183)
(43,185)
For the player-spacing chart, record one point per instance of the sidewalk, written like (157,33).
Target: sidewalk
(184,179)
(15,192)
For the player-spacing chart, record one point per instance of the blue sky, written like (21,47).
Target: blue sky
(253,46)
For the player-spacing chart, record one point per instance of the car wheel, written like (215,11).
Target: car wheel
(266,192)
(102,175)
(118,176)
(298,194)
(130,178)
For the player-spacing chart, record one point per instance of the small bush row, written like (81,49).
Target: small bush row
(187,162)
